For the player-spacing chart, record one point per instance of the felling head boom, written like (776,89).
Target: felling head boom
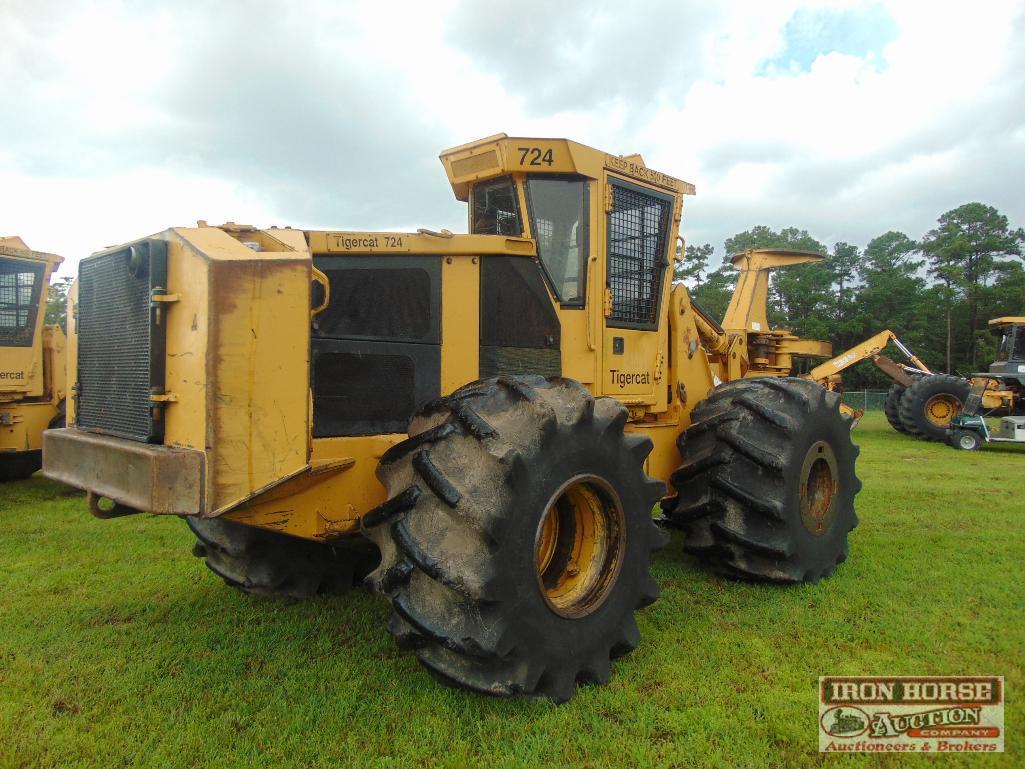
(745,345)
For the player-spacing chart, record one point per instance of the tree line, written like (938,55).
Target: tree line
(936,293)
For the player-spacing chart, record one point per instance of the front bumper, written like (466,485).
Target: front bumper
(154,479)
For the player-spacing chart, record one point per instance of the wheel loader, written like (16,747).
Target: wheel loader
(32,359)
(481,424)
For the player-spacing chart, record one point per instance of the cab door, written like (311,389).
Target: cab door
(637,242)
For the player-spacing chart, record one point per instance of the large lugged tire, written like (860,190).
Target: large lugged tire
(929,405)
(516,540)
(891,407)
(265,562)
(766,490)
(20,465)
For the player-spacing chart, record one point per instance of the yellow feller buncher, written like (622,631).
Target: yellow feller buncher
(32,359)
(496,412)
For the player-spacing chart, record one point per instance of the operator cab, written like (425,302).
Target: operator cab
(1010,357)
(557,209)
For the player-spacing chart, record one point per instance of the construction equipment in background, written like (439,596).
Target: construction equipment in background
(32,359)
(828,374)
(926,407)
(497,412)
(1000,392)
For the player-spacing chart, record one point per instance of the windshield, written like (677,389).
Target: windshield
(20,286)
(493,210)
(1019,344)
(558,218)
(1005,345)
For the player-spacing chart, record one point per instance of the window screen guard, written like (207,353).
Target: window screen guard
(638,232)
(20,290)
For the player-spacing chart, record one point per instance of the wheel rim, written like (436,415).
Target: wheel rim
(941,409)
(967,442)
(579,546)
(820,486)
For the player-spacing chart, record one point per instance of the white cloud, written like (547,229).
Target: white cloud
(134,117)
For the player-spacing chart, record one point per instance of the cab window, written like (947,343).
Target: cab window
(1019,344)
(1004,348)
(20,288)
(558,219)
(494,210)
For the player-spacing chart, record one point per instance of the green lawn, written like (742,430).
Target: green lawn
(118,648)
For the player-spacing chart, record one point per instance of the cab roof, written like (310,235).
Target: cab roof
(501,154)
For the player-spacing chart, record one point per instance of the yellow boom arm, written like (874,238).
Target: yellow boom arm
(748,304)
(870,348)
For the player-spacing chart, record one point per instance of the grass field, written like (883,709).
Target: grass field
(117,648)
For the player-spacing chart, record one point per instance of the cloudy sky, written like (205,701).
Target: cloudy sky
(844,118)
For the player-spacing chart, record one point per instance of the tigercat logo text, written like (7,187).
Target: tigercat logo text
(626,378)
(12,375)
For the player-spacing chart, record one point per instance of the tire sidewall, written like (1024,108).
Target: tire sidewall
(565,637)
(819,552)
(916,397)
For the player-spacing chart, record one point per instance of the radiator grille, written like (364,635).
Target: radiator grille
(361,393)
(638,226)
(382,303)
(512,361)
(115,346)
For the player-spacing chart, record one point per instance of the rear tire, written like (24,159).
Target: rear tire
(19,466)
(891,407)
(268,563)
(517,536)
(930,403)
(766,490)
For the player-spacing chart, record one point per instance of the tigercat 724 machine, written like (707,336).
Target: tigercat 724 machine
(32,359)
(497,412)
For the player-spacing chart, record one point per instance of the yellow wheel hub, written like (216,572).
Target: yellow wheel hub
(820,486)
(579,546)
(941,409)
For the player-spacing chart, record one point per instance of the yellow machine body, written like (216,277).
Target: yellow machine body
(1007,393)
(747,344)
(236,412)
(32,354)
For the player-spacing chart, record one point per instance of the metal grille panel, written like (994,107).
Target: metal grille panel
(366,392)
(512,361)
(638,226)
(20,289)
(113,348)
(381,298)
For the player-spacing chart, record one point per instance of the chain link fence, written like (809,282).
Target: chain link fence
(867,400)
